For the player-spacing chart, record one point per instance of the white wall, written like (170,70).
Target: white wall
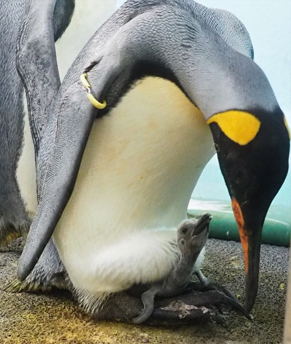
(88,16)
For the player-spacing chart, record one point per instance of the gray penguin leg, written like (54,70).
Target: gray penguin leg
(148,299)
(48,273)
(203,279)
(14,221)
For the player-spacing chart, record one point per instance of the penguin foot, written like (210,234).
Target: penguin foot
(184,309)
(48,273)
(199,287)
(12,230)
(201,305)
(39,284)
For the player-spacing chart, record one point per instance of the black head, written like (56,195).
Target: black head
(253,157)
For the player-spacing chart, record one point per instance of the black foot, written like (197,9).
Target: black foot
(213,286)
(10,230)
(14,221)
(199,287)
(40,284)
(48,273)
(184,309)
(202,305)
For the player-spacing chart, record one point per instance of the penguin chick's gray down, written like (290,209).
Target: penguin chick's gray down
(191,238)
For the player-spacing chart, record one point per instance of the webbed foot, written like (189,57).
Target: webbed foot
(48,273)
(198,306)
(199,287)
(184,309)
(12,229)
(38,282)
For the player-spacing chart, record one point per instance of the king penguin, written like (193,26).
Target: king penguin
(114,181)
(17,169)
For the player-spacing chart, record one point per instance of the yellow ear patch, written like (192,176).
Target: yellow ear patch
(287,126)
(240,126)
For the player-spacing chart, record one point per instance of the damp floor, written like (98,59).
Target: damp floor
(55,317)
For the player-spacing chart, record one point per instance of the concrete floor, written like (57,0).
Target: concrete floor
(55,318)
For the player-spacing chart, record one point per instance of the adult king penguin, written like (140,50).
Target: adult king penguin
(16,175)
(114,183)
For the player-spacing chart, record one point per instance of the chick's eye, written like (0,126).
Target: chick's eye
(184,230)
(182,241)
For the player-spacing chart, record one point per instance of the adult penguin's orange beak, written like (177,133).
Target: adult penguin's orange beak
(250,236)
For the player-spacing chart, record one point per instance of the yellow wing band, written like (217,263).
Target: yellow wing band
(240,126)
(84,80)
(90,96)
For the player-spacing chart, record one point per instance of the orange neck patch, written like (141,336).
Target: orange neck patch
(240,126)
(242,232)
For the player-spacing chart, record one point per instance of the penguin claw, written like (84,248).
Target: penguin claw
(237,306)
(9,232)
(212,286)
(229,298)
(40,283)
(17,286)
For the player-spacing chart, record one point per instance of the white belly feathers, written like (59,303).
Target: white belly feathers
(138,171)
(26,176)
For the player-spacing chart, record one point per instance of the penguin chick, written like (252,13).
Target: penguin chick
(191,238)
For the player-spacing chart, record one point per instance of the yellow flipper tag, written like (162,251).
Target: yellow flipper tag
(84,81)
(90,96)
(240,126)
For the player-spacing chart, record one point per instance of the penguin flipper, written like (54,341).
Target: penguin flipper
(36,60)
(62,146)
(73,116)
